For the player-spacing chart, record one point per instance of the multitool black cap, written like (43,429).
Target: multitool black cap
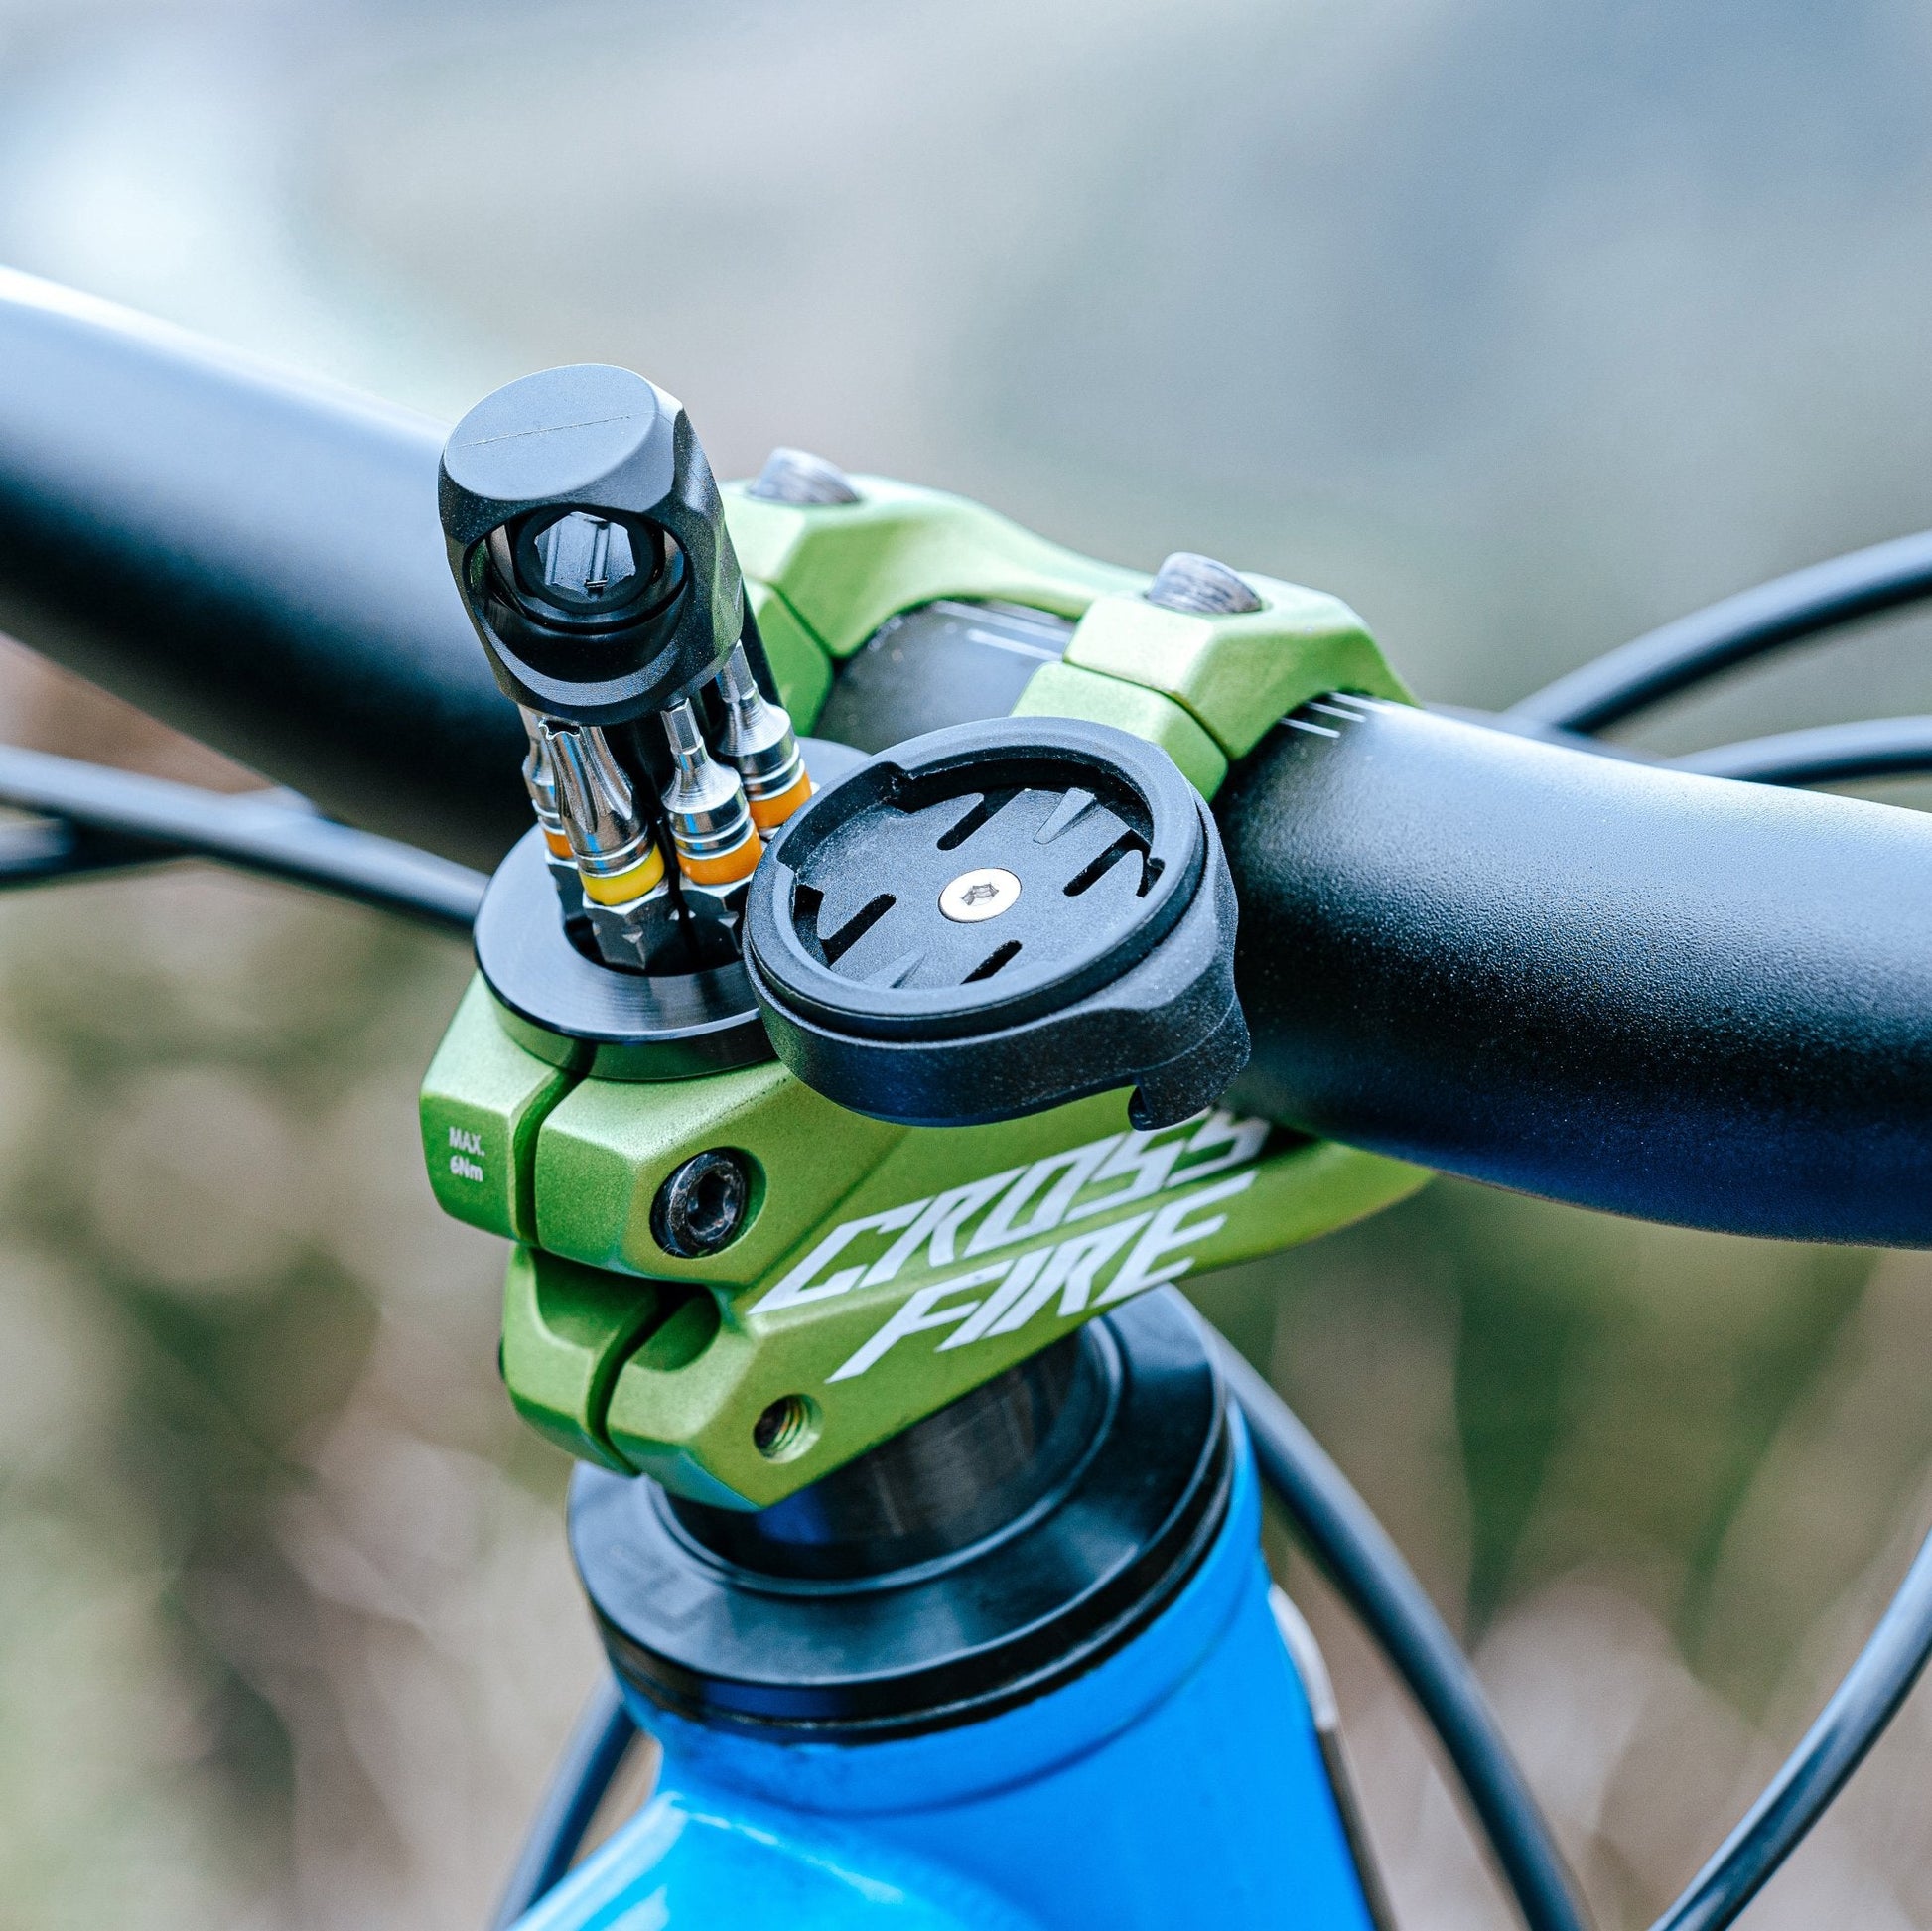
(999,918)
(588,540)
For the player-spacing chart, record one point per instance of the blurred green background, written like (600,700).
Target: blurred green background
(1521,326)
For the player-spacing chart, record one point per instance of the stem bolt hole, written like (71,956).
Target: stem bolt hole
(787,1428)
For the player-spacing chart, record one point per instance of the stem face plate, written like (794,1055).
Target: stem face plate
(879,1272)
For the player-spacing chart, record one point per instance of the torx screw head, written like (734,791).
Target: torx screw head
(703,1205)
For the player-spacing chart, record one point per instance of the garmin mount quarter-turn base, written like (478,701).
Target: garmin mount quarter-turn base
(998,918)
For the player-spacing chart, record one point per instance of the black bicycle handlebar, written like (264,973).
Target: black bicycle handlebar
(254,559)
(1623,986)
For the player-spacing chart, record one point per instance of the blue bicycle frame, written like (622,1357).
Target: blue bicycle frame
(1180,1781)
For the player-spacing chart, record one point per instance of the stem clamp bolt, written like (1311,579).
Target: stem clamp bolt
(701,1208)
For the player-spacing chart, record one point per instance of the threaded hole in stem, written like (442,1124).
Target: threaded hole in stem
(787,1428)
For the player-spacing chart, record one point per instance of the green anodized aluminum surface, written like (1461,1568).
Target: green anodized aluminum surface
(880,1271)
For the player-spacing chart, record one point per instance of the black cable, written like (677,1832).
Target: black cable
(1864,1703)
(261,832)
(1355,1552)
(101,818)
(1829,753)
(97,816)
(588,1767)
(40,851)
(1866,583)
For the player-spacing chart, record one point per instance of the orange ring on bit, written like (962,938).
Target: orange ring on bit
(768,813)
(727,866)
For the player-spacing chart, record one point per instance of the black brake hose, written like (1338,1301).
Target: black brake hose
(592,1758)
(261,832)
(1355,1551)
(1826,753)
(1358,1556)
(1806,604)
(1829,753)
(1816,1771)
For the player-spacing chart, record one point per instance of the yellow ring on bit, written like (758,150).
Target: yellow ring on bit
(622,887)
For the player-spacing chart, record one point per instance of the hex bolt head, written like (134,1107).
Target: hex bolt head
(1201,586)
(582,561)
(702,1207)
(797,475)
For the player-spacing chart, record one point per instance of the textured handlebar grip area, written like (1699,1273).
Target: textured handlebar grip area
(1675,997)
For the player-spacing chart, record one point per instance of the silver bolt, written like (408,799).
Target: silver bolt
(758,740)
(704,800)
(539,776)
(608,833)
(1199,585)
(795,476)
(981,894)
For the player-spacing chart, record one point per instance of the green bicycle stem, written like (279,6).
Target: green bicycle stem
(880,1271)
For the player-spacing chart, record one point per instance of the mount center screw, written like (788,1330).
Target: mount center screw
(984,893)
